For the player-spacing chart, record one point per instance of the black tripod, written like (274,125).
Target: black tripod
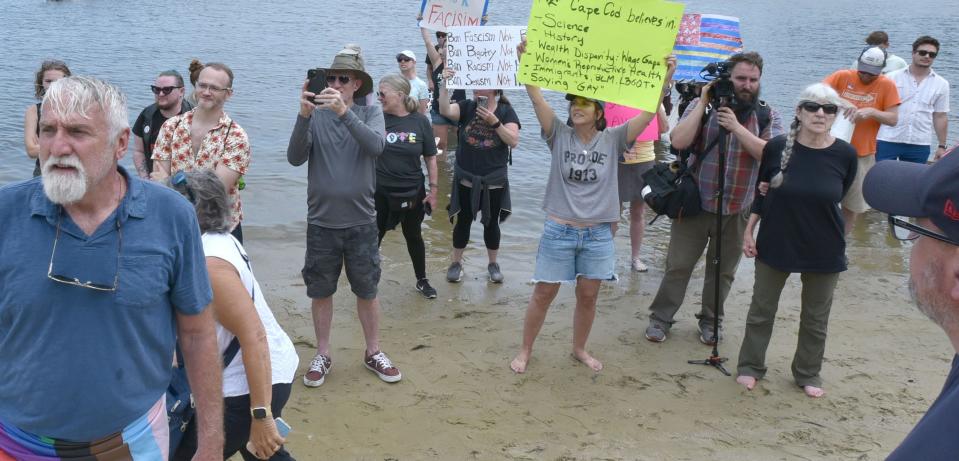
(714,359)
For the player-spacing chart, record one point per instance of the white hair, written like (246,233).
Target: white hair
(77,95)
(818,93)
(64,188)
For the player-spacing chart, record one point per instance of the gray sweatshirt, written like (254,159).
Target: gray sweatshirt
(342,171)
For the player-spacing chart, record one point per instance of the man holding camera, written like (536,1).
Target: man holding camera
(749,123)
(341,141)
(168,95)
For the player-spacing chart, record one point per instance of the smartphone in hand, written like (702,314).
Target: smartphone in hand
(481,101)
(282,427)
(317,80)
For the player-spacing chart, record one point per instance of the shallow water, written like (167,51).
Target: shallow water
(271,45)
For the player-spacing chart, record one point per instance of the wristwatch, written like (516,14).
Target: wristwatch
(260,413)
(942,146)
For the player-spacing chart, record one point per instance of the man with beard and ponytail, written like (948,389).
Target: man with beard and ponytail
(749,123)
(921,202)
(88,319)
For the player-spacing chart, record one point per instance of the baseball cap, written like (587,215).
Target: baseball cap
(918,190)
(872,60)
(408,54)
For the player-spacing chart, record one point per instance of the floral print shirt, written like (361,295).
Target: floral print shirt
(225,144)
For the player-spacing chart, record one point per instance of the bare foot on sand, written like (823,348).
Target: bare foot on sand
(747,381)
(518,365)
(813,391)
(588,360)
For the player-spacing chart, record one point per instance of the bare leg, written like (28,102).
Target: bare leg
(322,319)
(747,381)
(850,217)
(441,132)
(368,310)
(457,255)
(543,295)
(586,292)
(637,226)
(492,255)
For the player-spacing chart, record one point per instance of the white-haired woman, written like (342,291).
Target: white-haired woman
(258,379)
(400,197)
(809,172)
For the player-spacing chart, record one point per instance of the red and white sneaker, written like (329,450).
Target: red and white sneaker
(380,364)
(319,368)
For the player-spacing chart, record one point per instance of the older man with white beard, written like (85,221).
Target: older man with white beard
(87,336)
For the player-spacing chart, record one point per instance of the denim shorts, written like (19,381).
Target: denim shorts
(328,249)
(567,252)
(439,119)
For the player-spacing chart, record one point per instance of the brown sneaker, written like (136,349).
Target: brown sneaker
(380,364)
(319,368)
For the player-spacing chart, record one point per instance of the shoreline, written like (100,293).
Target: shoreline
(459,400)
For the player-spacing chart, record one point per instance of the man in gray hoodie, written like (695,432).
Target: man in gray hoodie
(340,141)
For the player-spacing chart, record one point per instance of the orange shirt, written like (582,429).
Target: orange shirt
(880,94)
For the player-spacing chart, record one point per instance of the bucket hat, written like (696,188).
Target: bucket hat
(350,59)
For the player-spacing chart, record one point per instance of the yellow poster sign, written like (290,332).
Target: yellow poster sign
(613,50)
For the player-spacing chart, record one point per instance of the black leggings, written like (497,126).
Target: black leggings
(464,220)
(236,422)
(411,222)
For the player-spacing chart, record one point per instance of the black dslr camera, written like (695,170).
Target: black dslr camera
(722,93)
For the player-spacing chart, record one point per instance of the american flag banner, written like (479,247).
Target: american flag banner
(702,39)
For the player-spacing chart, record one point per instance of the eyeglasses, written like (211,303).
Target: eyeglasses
(208,87)
(344,79)
(403,59)
(813,107)
(75,281)
(931,54)
(179,179)
(904,230)
(164,90)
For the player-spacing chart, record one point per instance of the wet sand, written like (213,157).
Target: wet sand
(458,399)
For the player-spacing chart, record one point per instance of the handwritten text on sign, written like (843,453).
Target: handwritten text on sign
(443,14)
(608,50)
(484,58)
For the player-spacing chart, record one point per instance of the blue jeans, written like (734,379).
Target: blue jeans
(567,252)
(915,153)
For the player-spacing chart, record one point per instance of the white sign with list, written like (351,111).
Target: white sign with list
(484,57)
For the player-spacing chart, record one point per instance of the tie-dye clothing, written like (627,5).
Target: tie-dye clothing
(146,438)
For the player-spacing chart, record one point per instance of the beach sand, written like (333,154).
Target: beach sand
(458,399)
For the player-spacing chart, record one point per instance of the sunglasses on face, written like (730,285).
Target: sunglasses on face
(382,94)
(164,90)
(813,107)
(344,79)
(403,59)
(931,54)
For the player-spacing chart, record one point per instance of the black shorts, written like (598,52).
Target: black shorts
(326,251)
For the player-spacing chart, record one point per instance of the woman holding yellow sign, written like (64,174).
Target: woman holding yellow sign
(582,209)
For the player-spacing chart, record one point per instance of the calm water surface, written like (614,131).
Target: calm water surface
(271,44)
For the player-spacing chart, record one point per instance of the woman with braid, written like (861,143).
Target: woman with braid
(809,172)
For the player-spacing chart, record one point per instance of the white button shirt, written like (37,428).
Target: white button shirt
(919,101)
